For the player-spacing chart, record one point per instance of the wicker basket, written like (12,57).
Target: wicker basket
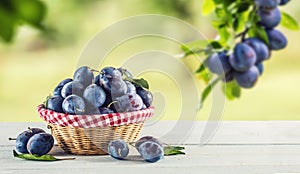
(93,139)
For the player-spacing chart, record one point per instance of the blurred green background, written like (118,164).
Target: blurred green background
(35,61)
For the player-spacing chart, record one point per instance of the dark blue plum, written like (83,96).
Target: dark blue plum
(228,77)
(267,4)
(65,81)
(94,95)
(260,68)
(218,63)
(261,49)
(118,87)
(23,138)
(146,96)
(277,40)
(128,102)
(105,110)
(130,87)
(84,75)
(74,104)
(146,138)
(97,80)
(243,57)
(58,88)
(55,104)
(106,76)
(269,18)
(35,130)
(118,149)
(151,151)
(40,144)
(73,87)
(284,2)
(247,79)
(57,91)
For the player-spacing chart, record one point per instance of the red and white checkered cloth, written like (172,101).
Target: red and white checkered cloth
(90,121)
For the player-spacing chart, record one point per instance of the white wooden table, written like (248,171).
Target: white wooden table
(237,147)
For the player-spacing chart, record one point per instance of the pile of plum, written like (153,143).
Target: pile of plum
(112,90)
(245,63)
(150,149)
(34,141)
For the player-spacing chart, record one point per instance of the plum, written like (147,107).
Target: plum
(243,57)
(269,18)
(74,104)
(73,87)
(118,149)
(284,2)
(260,68)
(147,138)
(58,88)
(247,79)
(54,103)
(267,4)
(146,96)
(23,138)
(128,102)
(117,87)
(277,40)
(40,144)
(130,87)
(261,49)
(84,75)
(151,151)
(218,63)
(94,95)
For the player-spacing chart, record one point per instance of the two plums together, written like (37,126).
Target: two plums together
(112,90)
(34,141)
(150,149)
(245,63)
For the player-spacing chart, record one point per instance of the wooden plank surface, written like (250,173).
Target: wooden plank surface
(237,147)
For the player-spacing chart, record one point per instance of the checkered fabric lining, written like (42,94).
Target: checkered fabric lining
(90,121)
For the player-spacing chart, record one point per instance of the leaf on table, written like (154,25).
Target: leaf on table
(173,150)
(38,158)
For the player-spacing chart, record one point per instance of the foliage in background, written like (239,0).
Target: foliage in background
(14,13)
(234,20)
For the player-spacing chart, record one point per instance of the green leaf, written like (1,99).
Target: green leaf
(31,11)
(231,90)
(141,82)
(46,101)
(260,32)
(196,47)
(225,35)
(208,89)
(208,6)
(288,21)
(201,68)
(7,25)
(216,45)
(205,75)
(173,150)
(38,158)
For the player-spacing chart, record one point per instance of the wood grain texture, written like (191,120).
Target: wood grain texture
(237,147)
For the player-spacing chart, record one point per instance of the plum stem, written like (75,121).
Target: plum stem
(12,138)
